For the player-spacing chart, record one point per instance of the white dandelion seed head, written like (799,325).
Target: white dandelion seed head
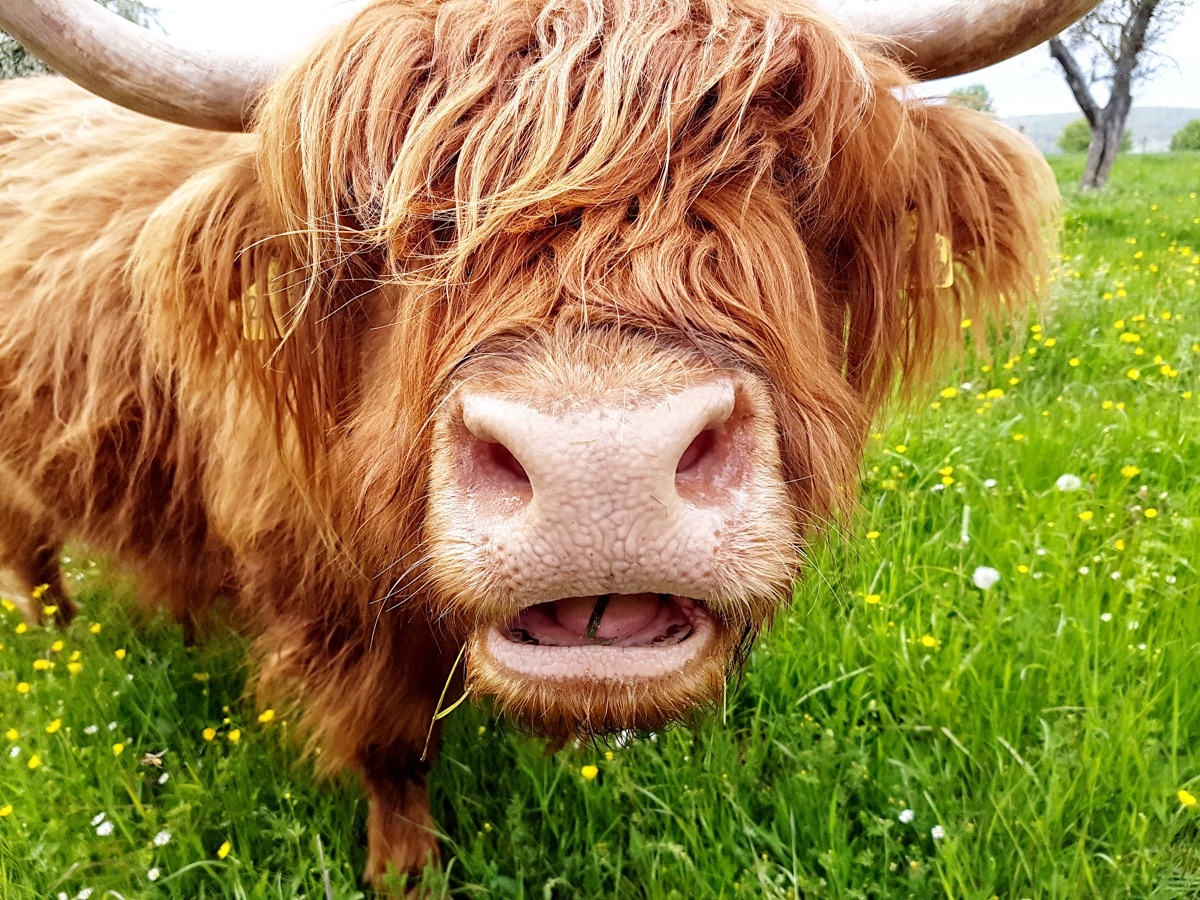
(1106,617)
(91,729)
(152,874)
(937,832)
(163,778)
(112,726)
(1115,576)
(62,895)
(985,578)
(1083,570)
(84,894)
(990,483)
(1040,551)
(1170,579)
(162,839)
(938,487)
(1067,483)
(98,819)
(907,815)
(104,829)
(1134,625)
(14,752)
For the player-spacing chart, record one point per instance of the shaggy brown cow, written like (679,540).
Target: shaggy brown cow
(549,330)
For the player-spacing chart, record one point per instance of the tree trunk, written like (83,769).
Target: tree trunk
(1102,151)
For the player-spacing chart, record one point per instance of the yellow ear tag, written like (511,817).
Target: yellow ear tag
(945,251)
(261,320)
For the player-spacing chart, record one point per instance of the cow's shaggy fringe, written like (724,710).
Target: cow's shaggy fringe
(220,355)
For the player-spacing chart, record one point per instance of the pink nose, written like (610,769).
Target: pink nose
(606,463)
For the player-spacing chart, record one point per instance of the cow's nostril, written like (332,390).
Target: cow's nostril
(701,446)
(501,461)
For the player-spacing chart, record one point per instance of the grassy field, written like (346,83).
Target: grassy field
(901,733)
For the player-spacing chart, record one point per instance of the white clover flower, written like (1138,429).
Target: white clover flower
(938,487)
(62,895)
(1115,576)
(1068,483)
(162,839)
(91,729)
(1106,617)
(937,832)
(98,819)
(84,894)
(14,752)
(985,578)
(104,829)
(1083,570)
(162,779)
(906,816)
(1134,625)
(152,874)
(990,483)
(112,726)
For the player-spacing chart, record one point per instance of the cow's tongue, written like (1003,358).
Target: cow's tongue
(623,620)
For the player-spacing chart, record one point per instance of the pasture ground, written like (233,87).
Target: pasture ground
(900,733)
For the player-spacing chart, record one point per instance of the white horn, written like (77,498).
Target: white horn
(939,38)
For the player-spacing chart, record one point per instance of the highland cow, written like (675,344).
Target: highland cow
(542,333)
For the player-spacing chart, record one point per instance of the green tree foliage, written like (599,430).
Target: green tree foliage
(973,96)
(1187,137)
(17,62)
(1077,137)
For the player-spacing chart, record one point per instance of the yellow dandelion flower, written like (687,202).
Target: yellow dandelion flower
(209,733)
(1185,797)
(1073,362)
(23,687)
(589,772)
(57,646)
(266,715)
(21,628)
(49,611)
(6,810)
(9,606)
(94,628)
(200,676)
(234,736)
(1018,437)
(223,850)
(75,654)
(1130,471)
(74,667)
(872,535)
(54,726)
(928,640)
(1134,374)
(1119,543)
(949,393)
(118,749)
(37,592)
(1086,516)
(41,665)
(1151,513)
(995,394)
(1130,337)
(12,734)
(1023,569)
(901,448)
(1050,342)
(873,598)
(35,762)
(966,323)
(119,653)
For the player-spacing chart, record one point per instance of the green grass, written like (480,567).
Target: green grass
(1046,724)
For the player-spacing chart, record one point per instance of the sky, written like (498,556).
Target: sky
(1029,84)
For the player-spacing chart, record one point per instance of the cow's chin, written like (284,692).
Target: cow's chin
(587,666)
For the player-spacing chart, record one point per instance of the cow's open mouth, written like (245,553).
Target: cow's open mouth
(618,637)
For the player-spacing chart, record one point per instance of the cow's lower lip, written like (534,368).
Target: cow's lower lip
(614,637)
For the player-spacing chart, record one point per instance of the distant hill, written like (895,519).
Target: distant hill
(1152,127)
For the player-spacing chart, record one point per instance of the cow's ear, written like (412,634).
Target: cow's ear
(221,301)
(954,237)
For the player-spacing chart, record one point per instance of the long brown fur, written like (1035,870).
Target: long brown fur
(220,355)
